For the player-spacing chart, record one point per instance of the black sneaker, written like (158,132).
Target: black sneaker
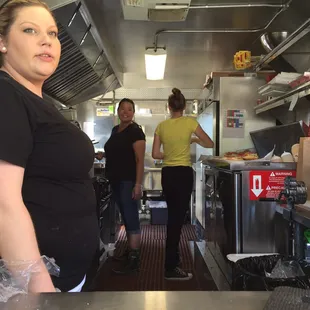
(121,257)
(179,262)
(177,274)
(131,265)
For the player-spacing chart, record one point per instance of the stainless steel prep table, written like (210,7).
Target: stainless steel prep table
(234,222)
(299,215)
(140,301)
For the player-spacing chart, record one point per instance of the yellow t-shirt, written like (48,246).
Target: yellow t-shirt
(175,135)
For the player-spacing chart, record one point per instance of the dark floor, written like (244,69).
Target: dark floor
(150,277)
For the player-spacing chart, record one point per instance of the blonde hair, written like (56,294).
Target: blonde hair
(8,13)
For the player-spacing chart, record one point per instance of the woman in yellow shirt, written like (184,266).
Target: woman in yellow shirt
(175,134)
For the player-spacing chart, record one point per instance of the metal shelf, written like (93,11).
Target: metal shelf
(289,97)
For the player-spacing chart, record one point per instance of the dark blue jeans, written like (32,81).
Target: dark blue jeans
(122,194)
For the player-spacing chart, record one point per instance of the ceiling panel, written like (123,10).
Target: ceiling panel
(190,55)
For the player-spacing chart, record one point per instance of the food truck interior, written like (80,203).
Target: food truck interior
(244,69)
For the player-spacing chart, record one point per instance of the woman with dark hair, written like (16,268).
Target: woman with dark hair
(124,152)
(175,134)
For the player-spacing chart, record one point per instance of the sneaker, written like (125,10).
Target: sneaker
(131,265)
(121,257)
(177,274)
(179,262)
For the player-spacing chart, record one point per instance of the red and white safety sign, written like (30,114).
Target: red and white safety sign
(268,183)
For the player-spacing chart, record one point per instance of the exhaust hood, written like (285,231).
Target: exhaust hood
(84,71)
(269,41)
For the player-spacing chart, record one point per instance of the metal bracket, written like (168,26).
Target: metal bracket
(293,102)
(287,214)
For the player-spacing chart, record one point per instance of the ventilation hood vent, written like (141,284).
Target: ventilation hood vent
(83,71)
(269,41)
(74,73)
(156,10)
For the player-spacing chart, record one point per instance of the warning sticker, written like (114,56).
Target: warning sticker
(268,184)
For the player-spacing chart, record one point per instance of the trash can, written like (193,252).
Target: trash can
(249,274)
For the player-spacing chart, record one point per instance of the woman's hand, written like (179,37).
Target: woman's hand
(99,155)
(137,192)
(195,140)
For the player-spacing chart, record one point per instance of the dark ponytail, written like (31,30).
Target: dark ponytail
(176,101)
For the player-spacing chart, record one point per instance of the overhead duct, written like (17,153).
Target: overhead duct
(269,41)
(156,10)
(223,30)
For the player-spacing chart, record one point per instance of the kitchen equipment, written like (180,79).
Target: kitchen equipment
(152,179)
(284,137)
(276,159)
(234,215)
(287,157)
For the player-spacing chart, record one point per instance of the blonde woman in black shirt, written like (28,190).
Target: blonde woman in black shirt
(47,201)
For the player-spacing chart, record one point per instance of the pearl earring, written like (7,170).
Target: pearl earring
(3,49)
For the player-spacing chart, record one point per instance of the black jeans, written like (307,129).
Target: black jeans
(177,184)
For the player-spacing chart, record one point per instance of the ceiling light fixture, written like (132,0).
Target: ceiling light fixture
(155,63)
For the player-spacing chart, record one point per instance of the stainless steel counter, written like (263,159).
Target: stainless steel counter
(297,216)
(236,165)
(140,301)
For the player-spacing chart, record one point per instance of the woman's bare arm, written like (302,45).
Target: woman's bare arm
(17,236)
(203,139)
(156,153)
(139,149)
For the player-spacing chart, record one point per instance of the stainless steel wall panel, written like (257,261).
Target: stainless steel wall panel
(241,93)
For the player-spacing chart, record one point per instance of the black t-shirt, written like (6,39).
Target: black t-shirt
(120,155)
(57,190)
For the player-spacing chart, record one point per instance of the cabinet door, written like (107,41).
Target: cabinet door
(200,194)
(210,207)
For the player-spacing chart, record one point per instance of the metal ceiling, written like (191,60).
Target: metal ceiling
(190,56)
(84,70)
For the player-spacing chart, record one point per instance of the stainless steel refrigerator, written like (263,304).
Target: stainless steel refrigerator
(229,95)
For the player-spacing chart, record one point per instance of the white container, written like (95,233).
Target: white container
(287,157)
(276,159)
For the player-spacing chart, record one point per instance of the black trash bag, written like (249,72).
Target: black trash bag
(249,274)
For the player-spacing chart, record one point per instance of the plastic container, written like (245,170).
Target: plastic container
(287,157)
